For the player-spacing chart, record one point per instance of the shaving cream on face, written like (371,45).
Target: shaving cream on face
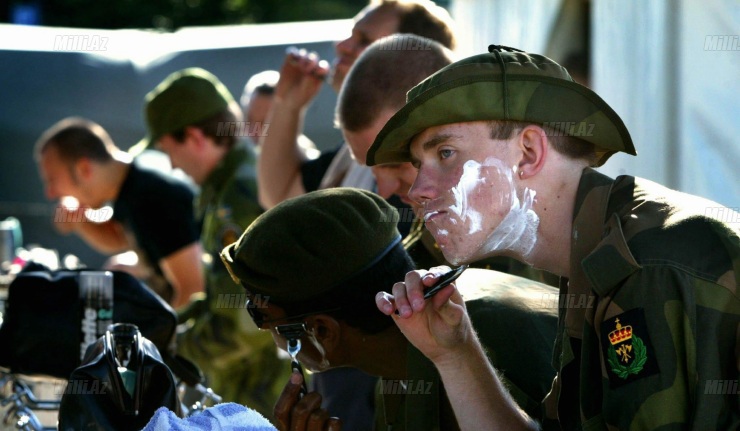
(469,181)
(323,362)
(486,193)
(517,231)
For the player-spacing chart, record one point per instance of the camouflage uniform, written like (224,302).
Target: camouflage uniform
(516,324)
(240,361)
(649,320)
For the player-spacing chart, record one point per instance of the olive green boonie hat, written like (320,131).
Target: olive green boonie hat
(312,244)
(186,97)
(504,84)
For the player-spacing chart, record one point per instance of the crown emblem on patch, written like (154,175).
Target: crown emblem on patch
(627,354)
(620,334)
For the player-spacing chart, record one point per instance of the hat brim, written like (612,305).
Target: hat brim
(146,143)
(481,98)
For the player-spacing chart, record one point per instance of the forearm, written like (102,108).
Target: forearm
(184,271)
(476,394)
(107,237)
(279,164)
(441,329)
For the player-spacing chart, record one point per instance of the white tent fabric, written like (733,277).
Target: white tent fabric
(524,24)
(655,64)
(632,72)
(709,113)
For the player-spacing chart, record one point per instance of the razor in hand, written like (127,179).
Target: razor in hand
(293,333)
(445,280)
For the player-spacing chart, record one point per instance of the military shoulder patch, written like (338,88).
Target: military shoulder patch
(626,348)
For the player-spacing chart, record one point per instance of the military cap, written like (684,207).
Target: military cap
(310,245)
(504,84)
(186,97)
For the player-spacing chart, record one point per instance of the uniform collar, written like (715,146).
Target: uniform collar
(599,256)
(612,261)
(599,251)
(230,162)
(216,180)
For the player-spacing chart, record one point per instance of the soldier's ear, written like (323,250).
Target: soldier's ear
(533,146)
(326,330)
(195,136)
(83,169)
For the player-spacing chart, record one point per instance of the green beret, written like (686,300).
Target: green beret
(309,245)
(186,97)
(502,85)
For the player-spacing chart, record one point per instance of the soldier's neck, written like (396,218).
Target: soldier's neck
(383,354)
(556,196)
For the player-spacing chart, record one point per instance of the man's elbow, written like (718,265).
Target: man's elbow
(266,199)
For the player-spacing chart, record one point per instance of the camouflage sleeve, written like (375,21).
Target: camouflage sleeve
(234,208)
(240,361)
(669,351)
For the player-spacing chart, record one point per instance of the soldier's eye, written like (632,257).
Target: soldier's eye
(445,153)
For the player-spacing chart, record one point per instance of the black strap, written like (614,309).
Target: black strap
(496,49)
(184,369)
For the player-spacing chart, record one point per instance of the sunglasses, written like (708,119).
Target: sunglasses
(260,319)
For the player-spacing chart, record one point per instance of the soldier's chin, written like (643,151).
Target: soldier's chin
(457,260)
(454,256)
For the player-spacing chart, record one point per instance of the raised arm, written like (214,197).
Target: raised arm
(279,164)
(184,271)
(440,328)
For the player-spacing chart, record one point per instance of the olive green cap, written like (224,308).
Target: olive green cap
(186,97)
(310,245)
(504,84)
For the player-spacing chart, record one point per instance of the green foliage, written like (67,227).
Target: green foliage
(173,14)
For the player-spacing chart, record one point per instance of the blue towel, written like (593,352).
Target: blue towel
(221,417)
